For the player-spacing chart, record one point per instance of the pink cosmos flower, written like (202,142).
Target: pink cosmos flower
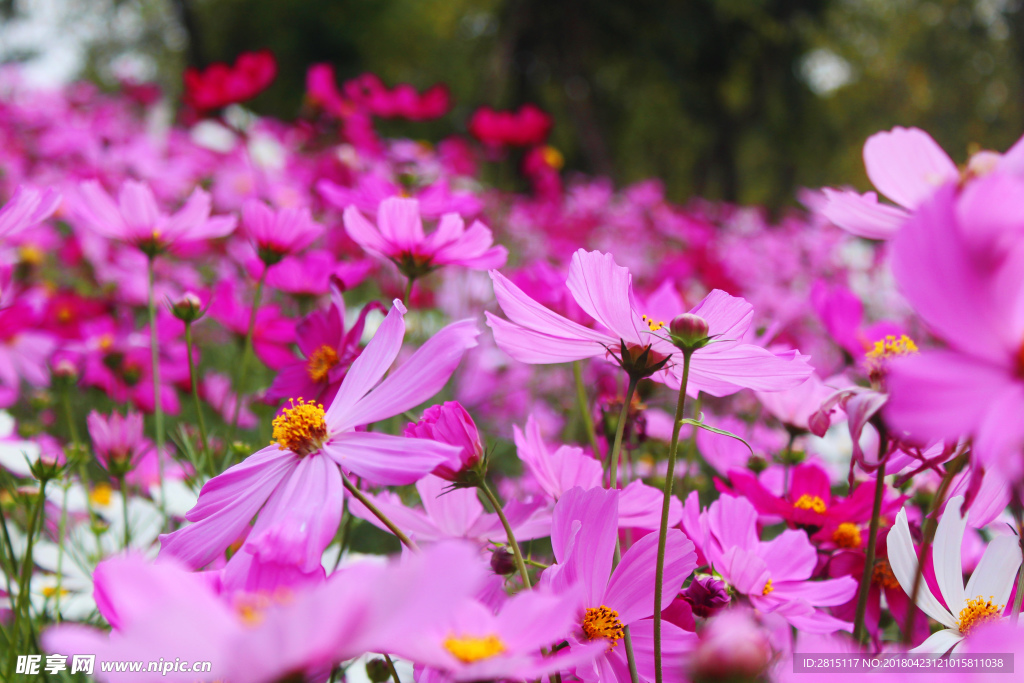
(277,233)
(450,423)
(296,483)
(123,450)
(454,513)
(583,539)
(975,385)
(273,334)
(567,467)
(26,208)
(534,334)
(328,351)
(372,189)
(399,237)
(773,575)
(24,352)
(137,219)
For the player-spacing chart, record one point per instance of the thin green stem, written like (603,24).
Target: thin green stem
(27,564)
(869,560)
(1019,593)
(584,406)
(61,530)
(193,377)
(350,487)
(124,511)
(243,366)
(158,410)
(516,552)
(928,532)
(391,667)
(620,428)
(407,299)
(659,571)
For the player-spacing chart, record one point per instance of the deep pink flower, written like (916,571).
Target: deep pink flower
(295,483)
(277,233)
(450,423)
(534,334)
(273,334)
(528,125)
(399,237)
(24,352)
(371,189)
(220,84)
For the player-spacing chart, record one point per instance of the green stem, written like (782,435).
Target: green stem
(516,552)
(193,377)
(24,604)
(620,428)
(408,292)
(124,511)
(243,366)
(928,529)
(1019,593)
(391,667)
(869,560)
(158,410)
(377,513)
(61,530)
(584,406)
(659,572)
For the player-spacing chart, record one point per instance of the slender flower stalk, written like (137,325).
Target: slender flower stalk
(61,531)
(23,603)
(124,511)
(581,400)
(516,552)
(391,668)
(928,529)
(351,488)
(158,410)
(659,571)
(193,376)
(1019,592)
(869,560)
(243,366)
(408,291)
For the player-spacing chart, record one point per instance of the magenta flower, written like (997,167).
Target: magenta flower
(24,352)
(534,334)
(137,219)
(26,208)
(296,483)
(583,539)
(975,386)
(372,189)
(450,423)
(276,233)
(273,334)
(328,351)
(773,575)
(399,237)
(449,513)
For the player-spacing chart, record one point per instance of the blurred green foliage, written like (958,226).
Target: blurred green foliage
(738,99)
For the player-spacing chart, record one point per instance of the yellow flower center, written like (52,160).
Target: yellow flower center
(602,622)
(553,158)
(31,254)
(846,535)
(808,502)
(469,649)
(979,611)
(50,591)
(652,324)
(321,362)
(768,587)
(250,607)
(300,428)
(891,347)
(882,574)
(100,495)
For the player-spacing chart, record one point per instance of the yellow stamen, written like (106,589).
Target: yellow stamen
(979,611)
(300,428)
(50,591)
(469,649)
(882,574)
(602,622)
(891,347)
(768,588)
(321,362)
(808,502)
(846,535)
(30,254)
(652,324)
(101,494)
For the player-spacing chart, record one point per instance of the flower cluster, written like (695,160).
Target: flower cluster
(300,401)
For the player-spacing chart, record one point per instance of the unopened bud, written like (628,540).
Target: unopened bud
(689,331)
(188,308)
(706,595)
(502,562)
(377,670)
(733,647)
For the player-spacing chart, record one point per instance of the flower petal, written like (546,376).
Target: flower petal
(995,574)
(949,537)
(907,165)
(386,459)
(903,560)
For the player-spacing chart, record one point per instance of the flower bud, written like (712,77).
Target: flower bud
(51,459)
(377,670)
(450,423)
(733,647)
(819,422)
(502,562)
(689,332)
(188,308)
(706,595)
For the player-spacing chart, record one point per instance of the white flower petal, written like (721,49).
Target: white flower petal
(997,570)
(903,560)
(949,573)
(939,643)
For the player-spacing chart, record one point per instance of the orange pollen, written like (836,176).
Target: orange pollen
(979,611)
(602,622)
(652,324)
(321,362)
(300,428)
(768,587)
(808,502)
(846,535)
(469,649)
(882,574)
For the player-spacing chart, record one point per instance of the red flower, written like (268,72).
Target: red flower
(220,85)
(528,126)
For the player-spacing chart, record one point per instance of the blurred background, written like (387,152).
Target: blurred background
(742,100)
